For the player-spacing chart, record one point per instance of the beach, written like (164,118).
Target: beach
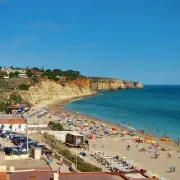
(116,144)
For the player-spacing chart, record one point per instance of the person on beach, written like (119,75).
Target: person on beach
(94,144)
(128,147)
(59,170)
(142,150)
(61,161)
(174,169)
(169,154)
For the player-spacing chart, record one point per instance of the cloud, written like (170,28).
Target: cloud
(47,25)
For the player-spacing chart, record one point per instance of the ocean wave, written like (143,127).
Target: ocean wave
(76,99)
(129,127)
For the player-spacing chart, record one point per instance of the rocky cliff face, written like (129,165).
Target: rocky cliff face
(113,84)
(47,90)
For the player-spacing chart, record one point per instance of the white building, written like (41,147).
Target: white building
(14,123)
(23,75)
(6,77)
(9,70)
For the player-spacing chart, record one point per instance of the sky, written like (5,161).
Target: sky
(126,39)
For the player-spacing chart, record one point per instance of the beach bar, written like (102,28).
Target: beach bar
(74,139)
(16,109)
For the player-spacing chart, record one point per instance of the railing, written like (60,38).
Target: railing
(68,163)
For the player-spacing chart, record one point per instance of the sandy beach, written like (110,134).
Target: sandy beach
(117,145)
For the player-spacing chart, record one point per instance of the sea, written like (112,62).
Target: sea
(154,109)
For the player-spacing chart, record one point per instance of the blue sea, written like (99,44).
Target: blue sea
(155,109)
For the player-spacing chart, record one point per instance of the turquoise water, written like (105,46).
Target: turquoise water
(154,108)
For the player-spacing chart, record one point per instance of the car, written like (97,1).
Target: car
(2,131)
(13,137)
(3,135)
(20,139)
(10,151)
(21,149)
(44,149)
(6,134)
(37,144)
(14,134)
(31,144)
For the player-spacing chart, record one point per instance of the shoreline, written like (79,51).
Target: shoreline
(116,144)
(59,106)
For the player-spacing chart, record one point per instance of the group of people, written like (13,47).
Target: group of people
(172,169)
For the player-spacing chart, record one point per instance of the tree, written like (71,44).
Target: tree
(14,74)
(48,70)
(72,75)
(11,67)
(36,69)
(29,73)
(57,72)
(2,74)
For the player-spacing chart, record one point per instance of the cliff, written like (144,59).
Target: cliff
(48,91)
(113,84)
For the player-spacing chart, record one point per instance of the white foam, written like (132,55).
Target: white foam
(130,127)
(76,99)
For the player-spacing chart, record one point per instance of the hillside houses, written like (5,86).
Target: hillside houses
(9,70)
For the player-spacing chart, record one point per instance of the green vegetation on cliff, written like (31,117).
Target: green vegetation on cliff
(24,87)
(13,98)
(54,74)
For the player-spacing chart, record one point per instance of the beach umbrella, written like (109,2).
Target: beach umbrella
(123,157)
(136,164)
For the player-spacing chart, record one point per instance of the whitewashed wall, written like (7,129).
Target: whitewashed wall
(59,135)
(15,127)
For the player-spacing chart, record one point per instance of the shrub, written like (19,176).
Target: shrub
(56,126)
(24,87)
(3,105)
(35,79)
(15,97)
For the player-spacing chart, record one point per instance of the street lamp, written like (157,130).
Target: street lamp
(26,133)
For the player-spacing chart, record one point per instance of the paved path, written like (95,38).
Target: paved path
(55,165)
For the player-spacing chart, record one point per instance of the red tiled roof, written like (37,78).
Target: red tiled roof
(11,120)
(48,175)
(14,107)
(3,176)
